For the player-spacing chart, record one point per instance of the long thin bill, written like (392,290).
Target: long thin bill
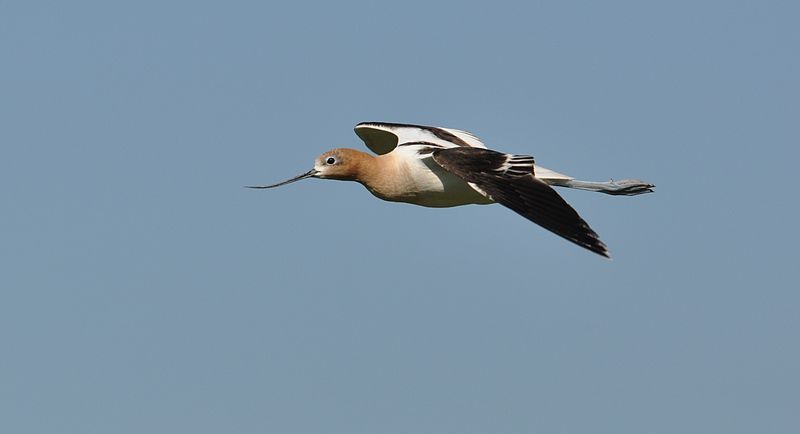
(308,174)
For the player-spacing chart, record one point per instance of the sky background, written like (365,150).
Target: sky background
(143,290)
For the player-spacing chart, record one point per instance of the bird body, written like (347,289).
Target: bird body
(405,175)
(443,167)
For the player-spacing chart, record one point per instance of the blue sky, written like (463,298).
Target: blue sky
(144,290)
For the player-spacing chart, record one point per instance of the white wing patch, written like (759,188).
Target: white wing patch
(383,137)
(466,136)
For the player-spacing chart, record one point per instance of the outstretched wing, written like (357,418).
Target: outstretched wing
(509,180)
(383,137)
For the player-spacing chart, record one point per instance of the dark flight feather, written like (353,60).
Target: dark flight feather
(505,179)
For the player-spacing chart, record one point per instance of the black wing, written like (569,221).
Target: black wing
(506,180)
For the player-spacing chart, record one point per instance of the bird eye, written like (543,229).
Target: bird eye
(330,160)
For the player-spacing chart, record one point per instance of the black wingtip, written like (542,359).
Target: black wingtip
(589,240)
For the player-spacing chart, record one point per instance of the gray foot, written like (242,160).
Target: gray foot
(628,187)
(623,187)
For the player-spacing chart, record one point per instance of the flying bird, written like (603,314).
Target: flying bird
(445,167)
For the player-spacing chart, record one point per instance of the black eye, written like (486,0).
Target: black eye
(330,160)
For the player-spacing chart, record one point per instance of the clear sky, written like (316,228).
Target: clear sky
(143,290)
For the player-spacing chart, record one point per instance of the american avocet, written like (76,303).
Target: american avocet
(443,167)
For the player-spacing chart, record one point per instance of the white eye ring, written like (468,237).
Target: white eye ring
(330,160)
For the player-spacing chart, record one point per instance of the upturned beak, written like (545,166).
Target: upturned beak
(310,174)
